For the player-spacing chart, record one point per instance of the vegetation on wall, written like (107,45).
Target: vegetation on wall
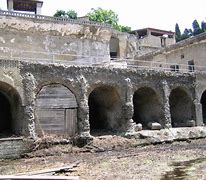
(196,29)
(69,14)
(107,16)
(98,15)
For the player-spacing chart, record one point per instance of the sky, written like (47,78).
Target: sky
(160,14)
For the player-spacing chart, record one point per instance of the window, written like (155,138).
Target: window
(114,48)
(113,55)
(191,66)
(174,68)
(182,56)
(170,36)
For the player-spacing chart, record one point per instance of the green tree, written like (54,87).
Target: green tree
(103,16)
(60,13)
(125,28)
(196,28)
(186,34)
(203,26)
(69,14)
(107,16)
(178,35)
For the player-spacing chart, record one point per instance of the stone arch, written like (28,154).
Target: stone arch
(181,107)
(147,106)
(105,110)
(203,102)
(114,47)
(56,110)
(11,111)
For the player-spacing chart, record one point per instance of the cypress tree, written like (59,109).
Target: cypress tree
(177,33)
(203,26)
(196,28)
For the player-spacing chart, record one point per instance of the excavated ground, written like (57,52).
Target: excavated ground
(115,157)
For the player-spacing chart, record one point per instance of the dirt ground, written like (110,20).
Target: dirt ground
(115,157)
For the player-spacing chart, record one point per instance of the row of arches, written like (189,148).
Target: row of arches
(105,110)
(57,109)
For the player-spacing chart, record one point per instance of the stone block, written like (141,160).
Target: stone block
(191,123)
(138,127)
(154,126)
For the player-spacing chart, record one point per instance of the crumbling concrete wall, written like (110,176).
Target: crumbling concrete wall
(41,40)
(82,81)
(200,89)
(14,147)
(94,77)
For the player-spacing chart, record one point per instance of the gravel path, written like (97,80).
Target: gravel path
(186,160)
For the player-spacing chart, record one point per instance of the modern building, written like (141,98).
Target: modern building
(151,39)
(33,6)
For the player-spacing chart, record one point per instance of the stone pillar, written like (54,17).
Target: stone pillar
(128,109)
(10,5)
(83,110)
(29,114)
(83,119)
(198,114)
(30,120)
(166,115)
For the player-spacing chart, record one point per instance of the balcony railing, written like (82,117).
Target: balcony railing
(51,18)
(12,58)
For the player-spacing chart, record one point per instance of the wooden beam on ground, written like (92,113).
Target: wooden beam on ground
(50,171)
(39,178)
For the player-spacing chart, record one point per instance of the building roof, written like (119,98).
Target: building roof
(184,43)
(158,32)
(25,5)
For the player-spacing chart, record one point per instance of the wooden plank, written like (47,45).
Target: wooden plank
(52,170)
(58,121)
(71,121)
(52,121)
(56,103)
(50,109)
(56,96)
(39,178)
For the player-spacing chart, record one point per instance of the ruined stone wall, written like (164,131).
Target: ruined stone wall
(200,96)
(12,88)
(14,147)
(42,39)
(146,49)
(200,84)
(10,74)
(82,81)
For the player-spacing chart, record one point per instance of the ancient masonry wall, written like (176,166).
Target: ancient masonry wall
(42,40)
(82,81)
(14,147)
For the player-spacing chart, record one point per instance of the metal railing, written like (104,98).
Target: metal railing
(50,58)
(159,66)
(15,56)
(51,18)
